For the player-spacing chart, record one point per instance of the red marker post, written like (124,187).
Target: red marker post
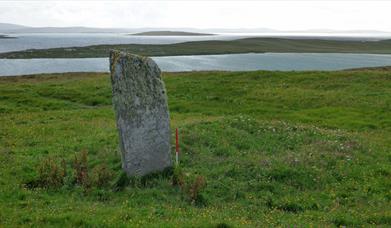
(176,146)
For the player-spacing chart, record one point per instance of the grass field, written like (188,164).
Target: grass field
(276,149)
(248,45)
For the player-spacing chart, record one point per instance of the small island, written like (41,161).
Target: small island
(170,33)
(6,37)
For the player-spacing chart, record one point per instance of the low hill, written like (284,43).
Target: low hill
(8,26)
(247,45)
(170,33)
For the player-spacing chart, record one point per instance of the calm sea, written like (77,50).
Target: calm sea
(230,62)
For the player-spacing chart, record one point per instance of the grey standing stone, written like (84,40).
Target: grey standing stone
(140,103)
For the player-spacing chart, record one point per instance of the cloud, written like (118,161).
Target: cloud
(286,15)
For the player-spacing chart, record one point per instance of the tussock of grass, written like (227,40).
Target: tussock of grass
(276,148)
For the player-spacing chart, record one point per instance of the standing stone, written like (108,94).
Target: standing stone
(140,103)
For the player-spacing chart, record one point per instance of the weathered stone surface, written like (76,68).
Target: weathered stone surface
(143,121)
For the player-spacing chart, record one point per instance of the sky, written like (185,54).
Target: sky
(280,15)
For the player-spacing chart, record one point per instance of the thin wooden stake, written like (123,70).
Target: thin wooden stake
(177,146)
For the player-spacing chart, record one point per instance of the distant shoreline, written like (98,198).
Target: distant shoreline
(213,47)
(170,33)
(65,74)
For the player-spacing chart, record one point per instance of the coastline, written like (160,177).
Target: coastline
(213,47)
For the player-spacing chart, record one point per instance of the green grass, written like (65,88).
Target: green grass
(276,149)
(248,45)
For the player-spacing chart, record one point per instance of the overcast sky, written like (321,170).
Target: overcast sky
(284,15)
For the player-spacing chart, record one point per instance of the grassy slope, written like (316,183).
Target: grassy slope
(277,148)
(255,45)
